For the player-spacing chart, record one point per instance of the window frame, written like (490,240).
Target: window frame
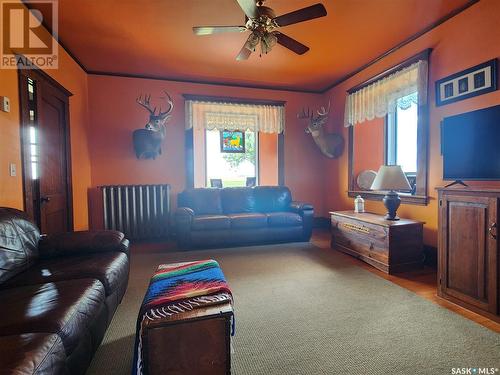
(419,195)
(189,135)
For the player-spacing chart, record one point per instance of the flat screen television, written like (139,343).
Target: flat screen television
(470,144)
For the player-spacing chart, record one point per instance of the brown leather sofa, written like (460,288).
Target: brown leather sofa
(208,217)
(58,295)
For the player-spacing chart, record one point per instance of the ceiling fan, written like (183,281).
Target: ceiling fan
(262,23)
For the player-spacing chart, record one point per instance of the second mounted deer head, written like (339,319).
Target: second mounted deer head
(330,144)
(147,141)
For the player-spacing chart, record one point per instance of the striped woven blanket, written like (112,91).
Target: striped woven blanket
(178,288)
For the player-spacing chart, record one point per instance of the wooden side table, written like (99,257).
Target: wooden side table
(390,246)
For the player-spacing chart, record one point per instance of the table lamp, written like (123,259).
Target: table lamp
(391,178)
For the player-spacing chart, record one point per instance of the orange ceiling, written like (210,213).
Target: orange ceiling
(154,38)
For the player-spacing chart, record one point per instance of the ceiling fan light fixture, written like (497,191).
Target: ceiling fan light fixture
(267,42)
(252,42)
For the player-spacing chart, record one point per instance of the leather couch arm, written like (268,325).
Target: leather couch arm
(305,210)
(183,218)
(184,215)
(82,242)
(300,207)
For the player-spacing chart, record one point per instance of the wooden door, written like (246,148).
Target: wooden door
(53,169)
(468,250)
(46,160)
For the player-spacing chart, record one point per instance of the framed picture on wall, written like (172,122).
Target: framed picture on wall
(474,81)
(232,141)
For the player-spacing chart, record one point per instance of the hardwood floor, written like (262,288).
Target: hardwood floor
(422,282)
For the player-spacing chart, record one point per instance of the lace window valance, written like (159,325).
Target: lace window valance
(385,95)
(234,116)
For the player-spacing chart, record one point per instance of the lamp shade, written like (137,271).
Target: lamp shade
(390,177)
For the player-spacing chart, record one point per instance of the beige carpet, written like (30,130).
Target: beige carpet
(304,310)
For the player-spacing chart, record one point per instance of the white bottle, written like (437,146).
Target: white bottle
(359,204)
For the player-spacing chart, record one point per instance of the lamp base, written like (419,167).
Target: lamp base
(391,202)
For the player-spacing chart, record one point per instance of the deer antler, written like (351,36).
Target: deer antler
(145,102)
(170,104)
(324,112)
(317,121)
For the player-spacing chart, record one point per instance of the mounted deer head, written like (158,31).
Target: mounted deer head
(156,121)
(147,142)
(315,122)
(330,145)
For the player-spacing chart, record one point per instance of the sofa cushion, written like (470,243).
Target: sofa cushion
(18,243)
(203,201)
(32,353)
(237,199)
(110,269)
(272,198)
(209,222)
(82,242)
(65,307)
(248,220)
(283,219)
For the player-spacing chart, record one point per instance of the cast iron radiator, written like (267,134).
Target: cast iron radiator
(139,211)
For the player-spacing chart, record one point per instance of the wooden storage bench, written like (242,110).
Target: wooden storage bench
(185,322)
(390,246)
(196,342)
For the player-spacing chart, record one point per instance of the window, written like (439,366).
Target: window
(401,134)
(387,117)
(32,117)
(233,168)
(233,143)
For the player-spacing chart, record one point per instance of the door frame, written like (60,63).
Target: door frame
(31,198)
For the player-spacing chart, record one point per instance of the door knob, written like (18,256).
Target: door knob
(490,230)
(44,199)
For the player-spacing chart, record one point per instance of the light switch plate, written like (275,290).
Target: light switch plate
(12,170)
(4,103)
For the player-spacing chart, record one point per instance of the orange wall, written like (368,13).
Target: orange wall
(11,188)
(200,170)
(73,78)
(368,147)
(469,38)
(268,159)
(114,115)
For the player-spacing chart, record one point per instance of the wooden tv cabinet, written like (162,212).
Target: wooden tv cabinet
(390,246)
(468,250)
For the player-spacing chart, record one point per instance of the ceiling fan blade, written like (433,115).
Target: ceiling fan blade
(249,8)
(301,15)
(291,43)
(244,54)
(207,30)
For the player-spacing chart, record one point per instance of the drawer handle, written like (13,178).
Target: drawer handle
(490,230)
